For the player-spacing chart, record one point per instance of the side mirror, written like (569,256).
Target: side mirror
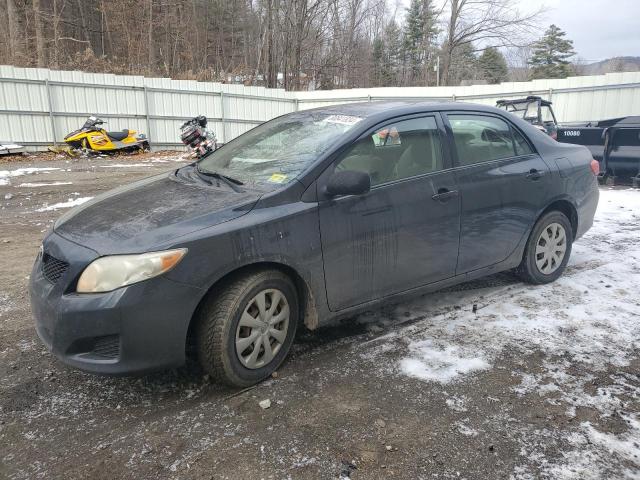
(348,182)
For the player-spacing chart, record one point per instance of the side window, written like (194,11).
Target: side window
(480,138)
(398,150)
(522,146)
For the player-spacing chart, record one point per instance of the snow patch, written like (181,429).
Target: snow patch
(125,165)
(72,202)
(466,430)
(43,184)
(5,175)
(431,362)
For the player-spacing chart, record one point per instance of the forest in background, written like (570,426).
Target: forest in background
(292,44)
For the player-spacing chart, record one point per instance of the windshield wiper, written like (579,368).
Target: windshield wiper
(229,181)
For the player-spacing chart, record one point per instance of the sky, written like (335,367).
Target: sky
(599,28)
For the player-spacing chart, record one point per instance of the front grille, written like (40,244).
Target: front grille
(52,268)
(107,347)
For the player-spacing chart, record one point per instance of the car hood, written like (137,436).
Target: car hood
(151,214)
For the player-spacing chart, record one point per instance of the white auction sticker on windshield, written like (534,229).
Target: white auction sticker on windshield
(252,160)
(343,119)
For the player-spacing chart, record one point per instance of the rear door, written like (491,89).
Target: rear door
(403,233)
(503,184)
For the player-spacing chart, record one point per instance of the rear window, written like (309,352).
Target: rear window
(522,146)
(480,138)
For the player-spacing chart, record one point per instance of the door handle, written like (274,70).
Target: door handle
(444,194)
(534,174)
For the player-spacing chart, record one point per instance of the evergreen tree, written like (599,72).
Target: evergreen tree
(551,54)
(493,66)
(380,72)
(419,37)
(394,50)
(464,64)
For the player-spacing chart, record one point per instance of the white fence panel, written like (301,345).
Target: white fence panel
(38,107)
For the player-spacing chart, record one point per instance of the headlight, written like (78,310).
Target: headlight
(115,271)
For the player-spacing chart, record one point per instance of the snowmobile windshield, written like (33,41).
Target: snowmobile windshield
(91,122)
(277,151)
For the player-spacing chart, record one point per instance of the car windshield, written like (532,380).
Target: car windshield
(277,151)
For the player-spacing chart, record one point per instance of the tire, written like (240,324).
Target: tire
(533,268)
(232,316)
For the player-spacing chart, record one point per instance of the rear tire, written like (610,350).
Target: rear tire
(237,317)
(548,249)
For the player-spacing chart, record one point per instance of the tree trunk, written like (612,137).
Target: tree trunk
(56,34)
(152,51)
(39,32)
(272,75)
(15,41)
(450,43)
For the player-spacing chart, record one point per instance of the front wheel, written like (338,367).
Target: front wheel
(548,249)
(245,330)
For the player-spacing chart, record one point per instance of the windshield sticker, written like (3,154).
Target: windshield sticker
(278,178)
(252,160)
(386,137)
(342,119)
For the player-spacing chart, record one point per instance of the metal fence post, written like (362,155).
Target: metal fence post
(51,119)
(296,102)
(224,124)
(146,113)
(550,93)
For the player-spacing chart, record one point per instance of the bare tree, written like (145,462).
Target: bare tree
(518,63)
(295,44)
(479,21)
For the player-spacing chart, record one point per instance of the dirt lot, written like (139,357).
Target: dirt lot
(537,382)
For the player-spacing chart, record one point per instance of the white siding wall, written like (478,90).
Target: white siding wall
(38,106)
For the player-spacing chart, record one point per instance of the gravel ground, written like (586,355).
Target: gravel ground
(534,382)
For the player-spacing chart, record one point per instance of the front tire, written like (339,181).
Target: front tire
(245,330)
(548,249)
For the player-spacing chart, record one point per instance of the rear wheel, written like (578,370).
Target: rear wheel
(548,249)
(245,330)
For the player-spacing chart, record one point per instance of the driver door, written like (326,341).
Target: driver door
(404,233)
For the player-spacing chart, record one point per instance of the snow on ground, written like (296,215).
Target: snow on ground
(42,184)
(5,175)
(72,202)
(590,316)
(125,165)
(429,361)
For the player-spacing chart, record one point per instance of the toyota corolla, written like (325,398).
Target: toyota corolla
(307,218)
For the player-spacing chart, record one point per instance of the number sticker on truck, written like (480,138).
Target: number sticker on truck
(572,133)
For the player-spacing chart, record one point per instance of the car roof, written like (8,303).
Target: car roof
(391,108)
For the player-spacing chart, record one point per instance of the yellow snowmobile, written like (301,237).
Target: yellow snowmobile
(94,139)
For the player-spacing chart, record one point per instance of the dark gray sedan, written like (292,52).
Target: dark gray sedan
(312,216)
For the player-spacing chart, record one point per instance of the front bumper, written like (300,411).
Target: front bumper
(134,329)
